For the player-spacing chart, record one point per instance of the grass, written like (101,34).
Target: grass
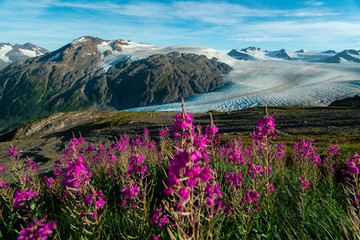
(286,213)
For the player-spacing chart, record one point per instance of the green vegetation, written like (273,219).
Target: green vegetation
(196,184)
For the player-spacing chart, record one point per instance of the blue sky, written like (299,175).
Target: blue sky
(223,25)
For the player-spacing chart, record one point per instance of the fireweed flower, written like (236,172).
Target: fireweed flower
(251,198)
(210,131)
(37,230)
(159,218)
(89,198)
(333,150)
(353,165)
(31,165)
(2,170)
(76,174)
(183,121)
(135,163)
(130,190)
(3,185)
(305,152)
(163,132)
(50,182)
(99,203)
(265,127)
(13,152)
(24,197)
(200,142)
(236,157)
(269,186)
(233,179)
(304,183)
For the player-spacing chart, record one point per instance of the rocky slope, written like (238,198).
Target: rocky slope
(73,78)
(43,140)
(353,102)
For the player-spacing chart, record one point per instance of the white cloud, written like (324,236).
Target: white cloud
(264,39)
(177,22)
(313,3)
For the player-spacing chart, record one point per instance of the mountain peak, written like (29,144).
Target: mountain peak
(12,53)
(250,49)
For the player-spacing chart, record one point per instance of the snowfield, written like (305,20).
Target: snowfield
(136,51)
(253,83)
(4,50)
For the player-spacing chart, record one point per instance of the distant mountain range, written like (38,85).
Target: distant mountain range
(93,73)
(329,56)
(13,53)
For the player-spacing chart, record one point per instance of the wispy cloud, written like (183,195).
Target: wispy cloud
(177,22)
(313,3)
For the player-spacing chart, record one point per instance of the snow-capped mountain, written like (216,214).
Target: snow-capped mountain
(13,53)
(256,54)
(93,73)
(346,56)
(115,51)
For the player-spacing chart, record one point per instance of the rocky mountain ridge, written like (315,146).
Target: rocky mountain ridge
(73,78)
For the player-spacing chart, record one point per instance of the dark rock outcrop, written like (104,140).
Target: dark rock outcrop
(353,102)
(239,55)
(162,78)
(283,54)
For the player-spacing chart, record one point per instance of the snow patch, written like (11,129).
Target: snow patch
(29,53)
(79,40)
(54,57)
(3,51)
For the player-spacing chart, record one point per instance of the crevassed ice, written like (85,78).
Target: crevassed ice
(289,83)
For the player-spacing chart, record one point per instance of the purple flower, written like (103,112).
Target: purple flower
(333,150)
(168,191)
(3,185)
(31,165)
(130,190)
(88,199)
(22,197)
(13,152)
(163,132)
(210,131)
(2,170)
(99,203)
(37,230)
(265,127)
(184,193)
(304,183)
(183,121)
(233,179)
(50,182)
